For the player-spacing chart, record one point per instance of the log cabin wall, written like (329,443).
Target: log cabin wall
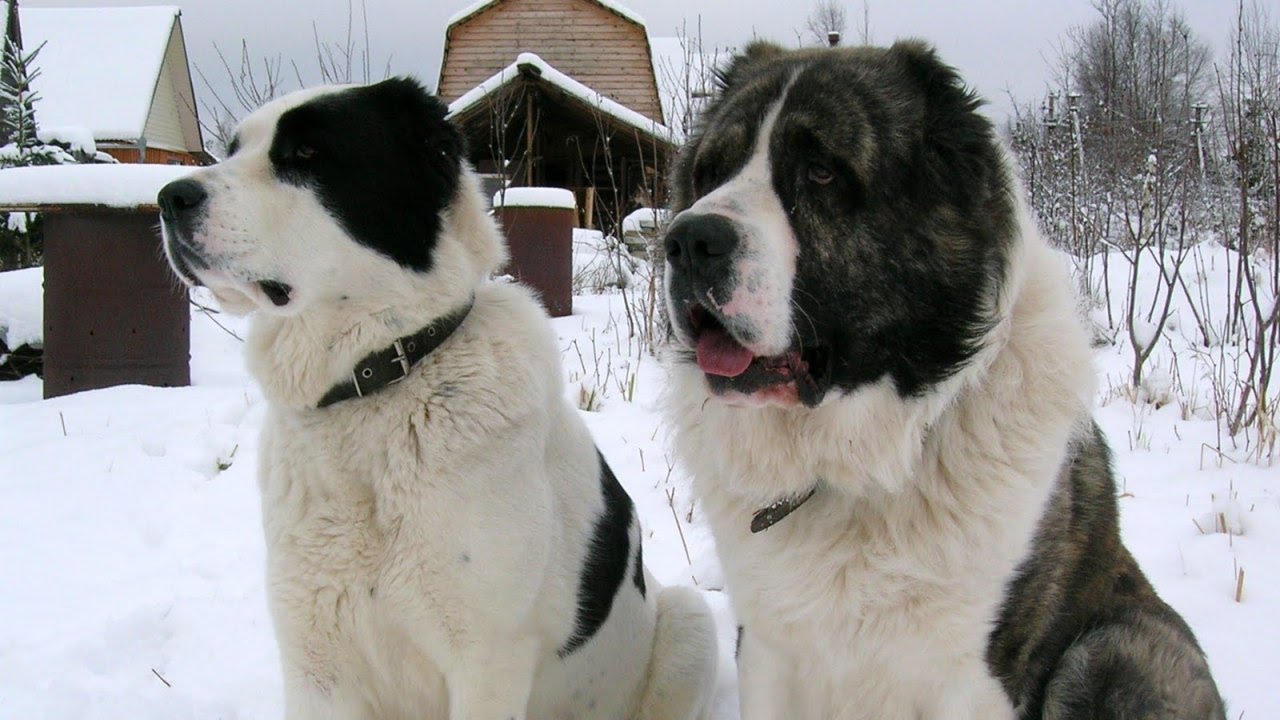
(581,38)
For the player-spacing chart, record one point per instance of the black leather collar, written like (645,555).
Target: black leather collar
(766,518)
(392,364)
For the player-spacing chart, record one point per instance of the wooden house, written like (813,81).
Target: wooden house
(560,93)
(119,76)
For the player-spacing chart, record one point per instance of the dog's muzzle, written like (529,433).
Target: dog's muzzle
(181,209)
(702,250)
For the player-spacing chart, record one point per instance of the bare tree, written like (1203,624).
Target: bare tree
(252,84)
(828,17)
(687,82)
(864,27)
(1145,153)
(1134,69)
(255,81)
(1249,100)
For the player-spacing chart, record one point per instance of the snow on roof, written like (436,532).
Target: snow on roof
(554,77)
(645,219)
(118,186)
(480,5)
(539,197)
(76,137)
(99,66)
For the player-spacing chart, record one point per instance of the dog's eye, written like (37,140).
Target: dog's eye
(820,174)
(303,152)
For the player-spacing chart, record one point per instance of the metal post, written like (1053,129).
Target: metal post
(1197,133)
(1077,166)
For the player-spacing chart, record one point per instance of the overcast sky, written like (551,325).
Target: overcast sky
(998,45)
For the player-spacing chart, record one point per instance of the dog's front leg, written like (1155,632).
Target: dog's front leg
(493,682)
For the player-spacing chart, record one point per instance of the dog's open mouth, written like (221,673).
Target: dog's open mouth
(799,374)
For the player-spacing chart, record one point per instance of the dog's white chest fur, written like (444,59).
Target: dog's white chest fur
(876,597)
(851,608)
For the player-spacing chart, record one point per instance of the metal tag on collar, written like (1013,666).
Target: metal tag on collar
(772,515)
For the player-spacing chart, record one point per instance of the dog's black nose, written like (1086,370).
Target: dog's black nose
(701,240)
(179,198)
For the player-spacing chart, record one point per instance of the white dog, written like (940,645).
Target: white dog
(444,540)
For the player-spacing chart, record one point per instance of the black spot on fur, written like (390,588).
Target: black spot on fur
(1082,634)
(637,573)
(606,563)
(382,159)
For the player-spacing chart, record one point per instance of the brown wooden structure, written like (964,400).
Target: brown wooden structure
(594,43)
(113,311)
(114,314)
(560,93)
(540,241)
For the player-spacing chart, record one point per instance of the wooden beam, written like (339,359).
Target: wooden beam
(59,208)
(528,137)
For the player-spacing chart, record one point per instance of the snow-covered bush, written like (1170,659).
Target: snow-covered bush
(1164,194)
(20,237)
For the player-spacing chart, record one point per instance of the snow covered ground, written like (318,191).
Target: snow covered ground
(131,555)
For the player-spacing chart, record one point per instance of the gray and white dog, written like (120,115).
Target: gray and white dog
(883,393)
(444,541)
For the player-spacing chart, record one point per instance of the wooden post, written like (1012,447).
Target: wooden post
(528,138)
(589,221)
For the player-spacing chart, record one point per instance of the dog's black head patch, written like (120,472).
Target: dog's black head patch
(896,192)
(382,159)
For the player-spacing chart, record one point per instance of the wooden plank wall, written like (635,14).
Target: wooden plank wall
(580,38)
(155,156)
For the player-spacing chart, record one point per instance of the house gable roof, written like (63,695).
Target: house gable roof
(600,43)
(529,65)
(8,14)
(480,6)
(99,67)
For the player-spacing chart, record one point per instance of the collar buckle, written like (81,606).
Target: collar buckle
(402,359)
(372,374)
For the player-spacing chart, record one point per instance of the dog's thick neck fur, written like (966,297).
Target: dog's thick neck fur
(297,358)
(875,440)
(926,505)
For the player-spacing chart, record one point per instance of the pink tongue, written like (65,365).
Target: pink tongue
(720,354)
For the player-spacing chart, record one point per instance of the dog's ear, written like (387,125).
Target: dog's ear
(419,115)
(742,65)
(958,139)
(939,80)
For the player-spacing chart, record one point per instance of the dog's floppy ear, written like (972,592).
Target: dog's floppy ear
(957,137)
(420,115)
(743,64)
(939,80)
